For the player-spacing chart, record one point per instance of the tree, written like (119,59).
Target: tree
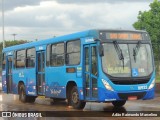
(150,21)
(10,43)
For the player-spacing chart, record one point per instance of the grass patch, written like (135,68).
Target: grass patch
(158,79)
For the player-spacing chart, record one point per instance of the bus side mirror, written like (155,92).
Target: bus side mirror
(101,50)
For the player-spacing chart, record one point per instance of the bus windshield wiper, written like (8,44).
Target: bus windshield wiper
(136,50)
(119,52)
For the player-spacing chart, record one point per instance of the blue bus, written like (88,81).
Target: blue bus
(93,65)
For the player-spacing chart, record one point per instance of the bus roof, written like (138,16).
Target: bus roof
(73,36)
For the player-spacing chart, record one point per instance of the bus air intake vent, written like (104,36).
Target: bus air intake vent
(129,81)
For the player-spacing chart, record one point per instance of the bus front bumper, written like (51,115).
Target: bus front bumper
(106,95)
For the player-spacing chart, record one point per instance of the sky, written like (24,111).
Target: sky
(41,19)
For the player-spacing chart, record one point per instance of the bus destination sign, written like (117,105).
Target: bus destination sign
(125,36)
(121,36)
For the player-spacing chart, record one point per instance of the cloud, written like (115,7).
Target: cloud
(99,1)
(11,4)
(51,18)
(43,18)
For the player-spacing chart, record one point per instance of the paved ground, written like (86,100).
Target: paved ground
(10,102)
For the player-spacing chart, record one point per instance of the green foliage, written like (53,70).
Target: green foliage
(157,79)
(11,43)
(150,21)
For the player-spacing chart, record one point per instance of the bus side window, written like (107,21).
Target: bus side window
(20,59)
(4,61)
(57,54)
(30,59)
(73,53)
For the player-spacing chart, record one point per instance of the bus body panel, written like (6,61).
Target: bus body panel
(55,77)
(31,88)
(4,86)
(107,95)
(19,75)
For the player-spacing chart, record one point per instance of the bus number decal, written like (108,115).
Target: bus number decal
(21,74)
(89,40)
(40,48)
(9,53)
(144,87)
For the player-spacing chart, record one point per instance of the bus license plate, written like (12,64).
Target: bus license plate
(132,98)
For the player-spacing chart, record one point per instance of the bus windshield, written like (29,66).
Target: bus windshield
(136,62)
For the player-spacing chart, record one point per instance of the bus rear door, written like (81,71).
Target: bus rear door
(90,72)
(9,81)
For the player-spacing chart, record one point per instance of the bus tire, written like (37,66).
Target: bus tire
(74,99)
(22,93)
(119,103)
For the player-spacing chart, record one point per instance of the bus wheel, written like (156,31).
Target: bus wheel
(74,98)
(22,94)
(118,103)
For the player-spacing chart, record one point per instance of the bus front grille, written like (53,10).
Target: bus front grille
(129,82)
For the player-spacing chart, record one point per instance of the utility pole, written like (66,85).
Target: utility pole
(14,35)
(3,38)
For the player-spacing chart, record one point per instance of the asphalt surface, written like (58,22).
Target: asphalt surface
(9,102)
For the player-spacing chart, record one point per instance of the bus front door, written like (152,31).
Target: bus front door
(90,72)
(41,73)
(9,74)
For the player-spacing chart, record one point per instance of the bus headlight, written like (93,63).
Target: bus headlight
(152,84)
(107,85)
